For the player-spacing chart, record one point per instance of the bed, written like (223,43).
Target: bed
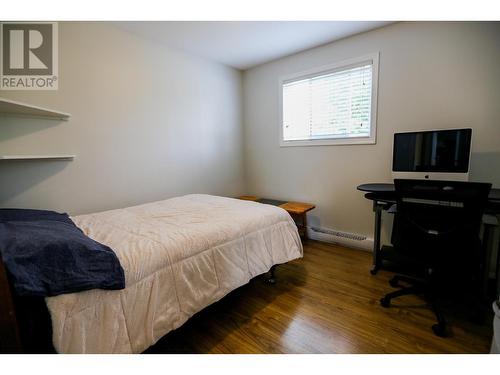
(179,256)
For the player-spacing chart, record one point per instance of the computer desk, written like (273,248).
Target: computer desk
(383,196)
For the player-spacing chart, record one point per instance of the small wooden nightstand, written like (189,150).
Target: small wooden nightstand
(297,210)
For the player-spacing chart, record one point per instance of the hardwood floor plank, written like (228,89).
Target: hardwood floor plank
(326,302)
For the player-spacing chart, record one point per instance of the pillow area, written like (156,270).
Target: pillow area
(16,214)
(46,254)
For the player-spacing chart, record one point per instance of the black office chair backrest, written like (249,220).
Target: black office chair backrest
(439,221)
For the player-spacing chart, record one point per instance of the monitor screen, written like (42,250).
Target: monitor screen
(432,151)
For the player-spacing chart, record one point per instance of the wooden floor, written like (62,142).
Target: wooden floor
(326,302)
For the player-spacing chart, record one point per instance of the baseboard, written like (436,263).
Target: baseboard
(346,239)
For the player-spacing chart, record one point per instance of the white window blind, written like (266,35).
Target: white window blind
(335,104)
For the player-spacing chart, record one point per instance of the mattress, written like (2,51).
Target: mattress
(179,256)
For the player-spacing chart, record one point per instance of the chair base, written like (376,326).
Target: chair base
(416,287)
(440,330)
(385,302)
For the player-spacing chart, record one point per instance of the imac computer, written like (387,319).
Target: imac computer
(434,155)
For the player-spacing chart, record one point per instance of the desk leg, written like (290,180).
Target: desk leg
(488,230)
(376,237)
(497,273)
(304,224)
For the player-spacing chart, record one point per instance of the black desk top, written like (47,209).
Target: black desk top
(389,188)
(377,188)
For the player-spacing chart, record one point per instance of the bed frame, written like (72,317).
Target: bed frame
(25,325)
(10,337)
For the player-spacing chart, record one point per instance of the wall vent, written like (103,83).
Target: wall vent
(347,239)
(351,236)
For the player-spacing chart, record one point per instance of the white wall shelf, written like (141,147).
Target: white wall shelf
(36,157)
(18,109)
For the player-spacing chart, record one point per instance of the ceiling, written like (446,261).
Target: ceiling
(244,44)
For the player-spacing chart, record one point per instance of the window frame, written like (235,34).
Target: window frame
(327,69)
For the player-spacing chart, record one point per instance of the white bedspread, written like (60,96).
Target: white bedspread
(179,256)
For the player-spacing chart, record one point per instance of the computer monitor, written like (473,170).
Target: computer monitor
(435,154)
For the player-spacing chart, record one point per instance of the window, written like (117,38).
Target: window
(330,105)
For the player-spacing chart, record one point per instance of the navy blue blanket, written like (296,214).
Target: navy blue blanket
(46,254)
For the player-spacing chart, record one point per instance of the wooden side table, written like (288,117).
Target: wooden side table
(297,210)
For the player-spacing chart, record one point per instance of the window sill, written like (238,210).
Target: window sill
(330,142)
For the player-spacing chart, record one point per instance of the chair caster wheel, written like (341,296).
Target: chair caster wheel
(439,330)
(385,302)
(394,283)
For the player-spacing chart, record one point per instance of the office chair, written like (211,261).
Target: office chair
(436,232)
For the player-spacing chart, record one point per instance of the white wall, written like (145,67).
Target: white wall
(147,123)
(150,123)
(432,75)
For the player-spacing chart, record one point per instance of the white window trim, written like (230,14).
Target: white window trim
(340,65)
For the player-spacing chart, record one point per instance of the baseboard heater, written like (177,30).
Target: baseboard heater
(341,238)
